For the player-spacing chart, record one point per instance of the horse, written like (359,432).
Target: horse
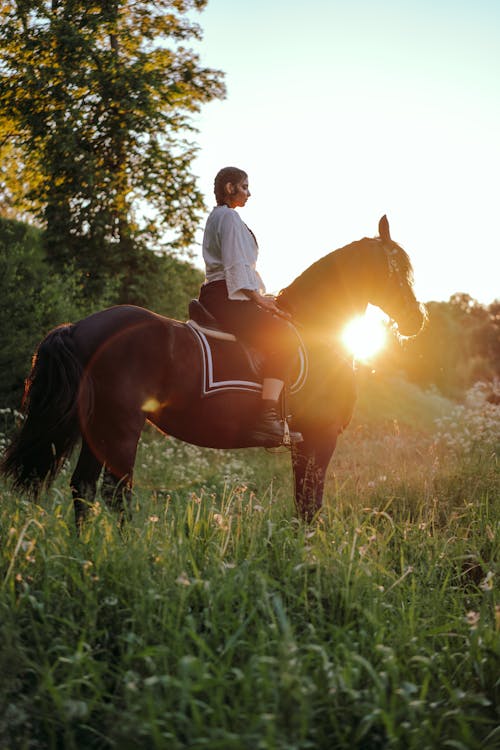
(97,381)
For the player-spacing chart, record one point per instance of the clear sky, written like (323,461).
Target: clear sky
(343,110)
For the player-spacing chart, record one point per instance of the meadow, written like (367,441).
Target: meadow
(217,620)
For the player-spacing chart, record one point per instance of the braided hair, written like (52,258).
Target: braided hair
(225,175)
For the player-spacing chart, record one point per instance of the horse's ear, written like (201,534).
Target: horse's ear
(383,230)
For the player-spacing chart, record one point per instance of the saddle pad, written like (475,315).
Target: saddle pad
(230,366)
(226,366)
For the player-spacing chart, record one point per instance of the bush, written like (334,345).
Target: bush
(32,300)
(35,297)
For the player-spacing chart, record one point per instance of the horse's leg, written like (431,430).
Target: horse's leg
(120,439)
(84,482)
(310,460)
(117,494)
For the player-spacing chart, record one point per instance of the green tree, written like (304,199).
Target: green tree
(33,299)
(13,168)
(491,336)
(99,97)
(459,346)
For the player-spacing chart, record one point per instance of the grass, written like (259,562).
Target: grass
(218,620)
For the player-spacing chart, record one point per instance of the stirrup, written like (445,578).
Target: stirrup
(286,434)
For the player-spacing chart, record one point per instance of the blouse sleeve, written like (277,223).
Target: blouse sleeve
(239,255)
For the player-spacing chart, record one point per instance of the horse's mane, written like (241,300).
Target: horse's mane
(340,275)
(326,269)
(330,277)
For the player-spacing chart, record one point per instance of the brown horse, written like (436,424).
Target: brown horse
(101,378)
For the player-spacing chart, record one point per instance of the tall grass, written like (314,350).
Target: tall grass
(218,620)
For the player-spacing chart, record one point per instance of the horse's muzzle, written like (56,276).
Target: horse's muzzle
(412,321)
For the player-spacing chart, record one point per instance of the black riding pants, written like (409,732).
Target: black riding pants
(255,326)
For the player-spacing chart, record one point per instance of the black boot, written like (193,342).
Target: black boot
(269,428)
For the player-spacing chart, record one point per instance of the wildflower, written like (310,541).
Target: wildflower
(472,619)
(220,521)
(407,572)
(153,519)
(183,579)
(487,583)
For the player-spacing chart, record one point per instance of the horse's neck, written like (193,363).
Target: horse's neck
(332,290)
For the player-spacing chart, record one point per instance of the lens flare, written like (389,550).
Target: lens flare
(151,405)
(365,335)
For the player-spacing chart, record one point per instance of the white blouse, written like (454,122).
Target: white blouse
(230,252)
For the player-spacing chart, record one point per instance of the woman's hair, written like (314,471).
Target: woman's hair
(227,174)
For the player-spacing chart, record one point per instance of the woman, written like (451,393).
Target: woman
(234,293)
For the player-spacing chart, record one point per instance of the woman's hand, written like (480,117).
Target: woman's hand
(268,302)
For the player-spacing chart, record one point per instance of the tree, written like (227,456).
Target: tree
(491,337)
(12,176)
(33,299)
(99,96)
(459,345)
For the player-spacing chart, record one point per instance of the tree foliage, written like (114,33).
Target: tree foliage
(34,298)
(98,97)
(459,345)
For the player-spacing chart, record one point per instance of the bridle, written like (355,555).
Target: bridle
(396,278)
(393,266)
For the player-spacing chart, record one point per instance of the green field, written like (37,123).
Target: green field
(217,620)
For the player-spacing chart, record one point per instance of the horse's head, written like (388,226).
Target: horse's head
(339,286)
(393,286)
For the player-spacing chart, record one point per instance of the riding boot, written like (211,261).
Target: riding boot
(269,428)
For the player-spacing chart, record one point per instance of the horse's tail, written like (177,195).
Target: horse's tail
(50,428)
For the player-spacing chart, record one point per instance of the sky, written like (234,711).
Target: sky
(344,110)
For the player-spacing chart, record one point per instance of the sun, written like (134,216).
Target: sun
(365,335)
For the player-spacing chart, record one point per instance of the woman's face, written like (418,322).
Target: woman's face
(237,195)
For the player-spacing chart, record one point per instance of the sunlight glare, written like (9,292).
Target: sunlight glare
(365,335)
(151,405)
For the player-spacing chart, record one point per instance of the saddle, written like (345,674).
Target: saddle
(204,321)
(230,364)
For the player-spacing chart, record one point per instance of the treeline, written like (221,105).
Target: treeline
(36,295)
(459,345)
